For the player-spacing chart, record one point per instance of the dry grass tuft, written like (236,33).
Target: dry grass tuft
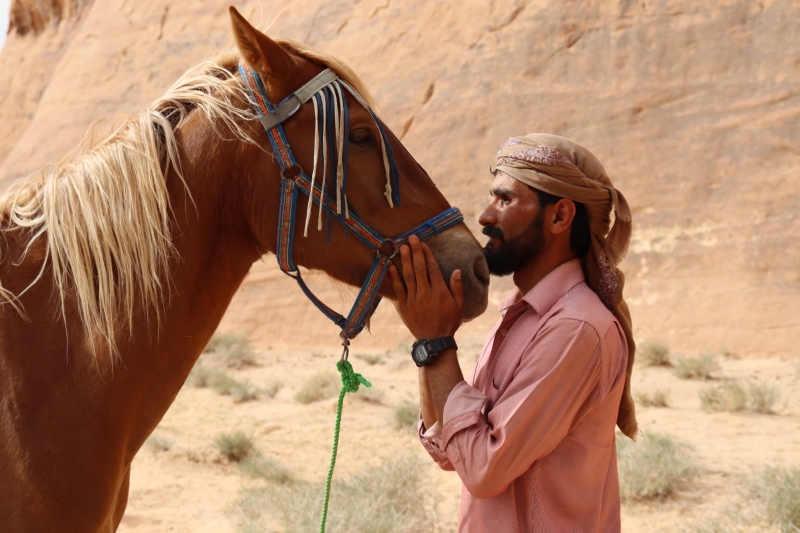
(319,387)
(731,396)
(370,359)
(776,491)
(159,444)
(260,467)
(656,398)
(727,396)
(202,376)
(406,415)
(232,350)
(653,354)
(272,388)
(389,498)
(369,395)
(235,446)
(653,467)
(763,397)
(700,367)
(711,525)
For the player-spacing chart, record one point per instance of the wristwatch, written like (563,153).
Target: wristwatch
(424,351)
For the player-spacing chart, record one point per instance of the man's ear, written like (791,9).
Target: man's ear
(563,214)
(258,50)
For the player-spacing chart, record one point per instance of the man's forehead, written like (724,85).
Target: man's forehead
(503,181)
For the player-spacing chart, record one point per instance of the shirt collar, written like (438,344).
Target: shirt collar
(543,296)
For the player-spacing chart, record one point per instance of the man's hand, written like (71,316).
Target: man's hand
(427,307)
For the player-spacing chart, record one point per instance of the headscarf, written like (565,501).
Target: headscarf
(564,168)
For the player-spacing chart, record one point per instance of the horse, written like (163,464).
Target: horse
(116,267)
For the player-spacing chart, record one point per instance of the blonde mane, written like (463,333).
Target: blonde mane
(105,211)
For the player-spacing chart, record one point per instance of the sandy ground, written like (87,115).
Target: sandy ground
(190,487)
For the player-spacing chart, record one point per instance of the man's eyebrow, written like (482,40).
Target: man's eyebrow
(501,191)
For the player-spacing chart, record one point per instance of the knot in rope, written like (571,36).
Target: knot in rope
(350,379)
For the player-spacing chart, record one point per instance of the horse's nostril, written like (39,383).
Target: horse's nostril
(481,270)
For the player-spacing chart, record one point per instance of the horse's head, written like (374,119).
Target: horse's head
(391,203)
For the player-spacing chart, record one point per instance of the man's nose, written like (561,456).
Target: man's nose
(488,217)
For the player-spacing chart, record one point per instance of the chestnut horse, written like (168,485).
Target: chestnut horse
(116,268)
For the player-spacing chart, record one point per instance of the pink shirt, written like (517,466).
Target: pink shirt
(531,432)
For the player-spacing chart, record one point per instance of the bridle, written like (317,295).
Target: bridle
(323,89)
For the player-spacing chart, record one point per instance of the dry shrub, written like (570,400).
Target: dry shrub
(272,388)
(406,415)
(232,350)
(763,397)
(653,467)
(653,354)
(202,376)
(370,359)
(159,443)
(369,395)
(776,491)
(319,387)
(731,396)
(700,367)
(711,525)
(656,398)
(727,396)
(235,446)
(390,498)
(260,467)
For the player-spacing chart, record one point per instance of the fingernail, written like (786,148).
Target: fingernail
(458,275)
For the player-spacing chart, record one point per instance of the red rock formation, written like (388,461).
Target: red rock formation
(692,106)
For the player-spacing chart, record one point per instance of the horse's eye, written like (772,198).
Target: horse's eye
(360,136)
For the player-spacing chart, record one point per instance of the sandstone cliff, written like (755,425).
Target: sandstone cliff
(692,107)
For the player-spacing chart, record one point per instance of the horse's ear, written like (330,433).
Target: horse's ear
(258,50)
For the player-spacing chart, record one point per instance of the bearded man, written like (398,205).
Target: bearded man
(531,431)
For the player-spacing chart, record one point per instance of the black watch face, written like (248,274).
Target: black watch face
(420,354)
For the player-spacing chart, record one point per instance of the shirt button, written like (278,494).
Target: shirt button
(503,332)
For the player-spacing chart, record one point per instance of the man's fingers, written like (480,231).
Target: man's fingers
(457,288)
(408,271)
(434,275)
(397,284)
(420,268)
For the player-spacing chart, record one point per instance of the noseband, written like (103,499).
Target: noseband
(323,89)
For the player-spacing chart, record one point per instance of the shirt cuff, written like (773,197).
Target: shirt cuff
(464,408)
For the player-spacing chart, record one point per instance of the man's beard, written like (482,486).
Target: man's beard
(510,256)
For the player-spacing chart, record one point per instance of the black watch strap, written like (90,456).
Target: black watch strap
(440,344)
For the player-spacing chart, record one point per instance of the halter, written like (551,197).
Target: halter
(326,90)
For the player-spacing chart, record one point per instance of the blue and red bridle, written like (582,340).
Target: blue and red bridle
(324,89)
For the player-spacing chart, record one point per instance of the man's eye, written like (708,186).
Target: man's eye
(360,136)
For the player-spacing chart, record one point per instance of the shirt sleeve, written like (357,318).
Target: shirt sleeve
(433,447)
(557,374)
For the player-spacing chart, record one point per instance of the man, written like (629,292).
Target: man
(531,432)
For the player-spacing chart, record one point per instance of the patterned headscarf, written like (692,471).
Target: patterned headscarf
(564,168)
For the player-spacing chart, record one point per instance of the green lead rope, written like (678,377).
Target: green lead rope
(350,383)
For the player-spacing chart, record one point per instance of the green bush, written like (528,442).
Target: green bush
(653,354)
(700,367)
(653,467)
(235,446)
(776,491)
(319,387)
